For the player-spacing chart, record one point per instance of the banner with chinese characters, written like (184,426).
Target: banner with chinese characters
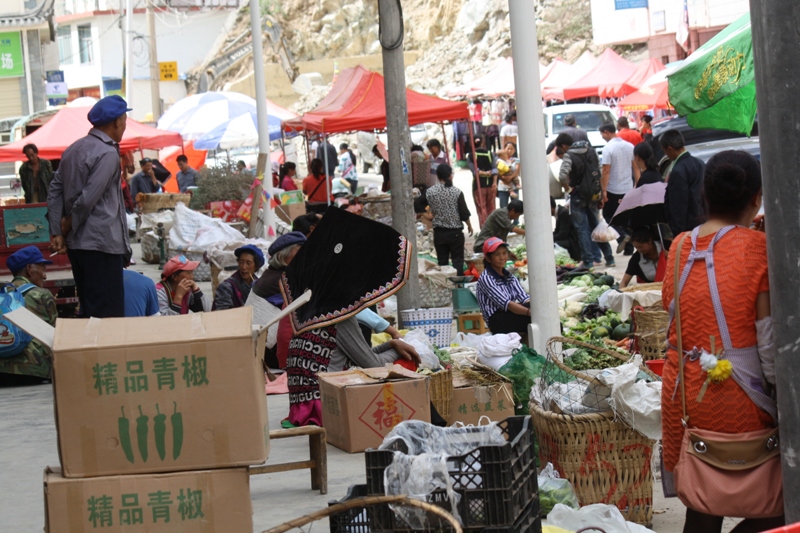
(11,65)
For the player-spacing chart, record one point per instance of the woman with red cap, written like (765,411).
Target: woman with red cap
(505,305)
(177,292)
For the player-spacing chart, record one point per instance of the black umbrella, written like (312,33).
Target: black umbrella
(350,263)
(642,206)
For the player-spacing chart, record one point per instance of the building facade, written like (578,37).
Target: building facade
(91,46)
(27,52)
(661,23)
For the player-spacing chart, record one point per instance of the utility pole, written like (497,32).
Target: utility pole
(155,92)
(777,83)
(129,52)
(263,128)
(399,139)
(535,190)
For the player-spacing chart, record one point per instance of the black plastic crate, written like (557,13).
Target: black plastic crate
(356,520)
(496,483)
(369,519)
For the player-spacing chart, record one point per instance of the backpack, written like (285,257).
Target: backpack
(589,188)
(12,339)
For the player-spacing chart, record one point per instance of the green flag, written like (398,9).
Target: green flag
(715,87)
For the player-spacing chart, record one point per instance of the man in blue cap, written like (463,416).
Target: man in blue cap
(86,211)
(28,268)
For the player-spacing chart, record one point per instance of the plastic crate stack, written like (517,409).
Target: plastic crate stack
(497,485)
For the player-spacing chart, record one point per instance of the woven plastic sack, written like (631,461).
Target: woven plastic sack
(523,369)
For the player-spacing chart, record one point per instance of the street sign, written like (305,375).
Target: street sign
(168,71)
(629,4)
(56,88)
(11,65)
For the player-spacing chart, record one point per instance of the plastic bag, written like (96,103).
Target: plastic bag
(195,232)
(604,233)
(597,515)
(637,402)
(421,343)
(574,398)
(469,340)
(524,367)
(553,490)
(418,476)
(562,254)
(421,437)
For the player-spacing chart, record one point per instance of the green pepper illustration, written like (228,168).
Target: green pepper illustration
(141,433)
(125,435)
(160,432)
(177,432)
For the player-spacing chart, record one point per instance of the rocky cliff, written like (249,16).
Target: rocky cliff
(459,39)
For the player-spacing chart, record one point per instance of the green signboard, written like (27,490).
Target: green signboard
(11,55)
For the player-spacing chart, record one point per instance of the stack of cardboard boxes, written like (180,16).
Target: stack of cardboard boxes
(157,420)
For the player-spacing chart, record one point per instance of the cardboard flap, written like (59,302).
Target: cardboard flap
(33,325)
(76,334)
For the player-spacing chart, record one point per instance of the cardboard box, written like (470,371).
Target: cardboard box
(289,212)
(188,502)
(360,407)
(159,394)
(472,402)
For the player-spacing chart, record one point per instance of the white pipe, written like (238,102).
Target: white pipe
(262,113)
(538,226)
(327,179)
(129,52)
(28,74)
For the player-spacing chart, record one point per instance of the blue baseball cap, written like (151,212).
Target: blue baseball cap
(107,110)
(293,237)
(30,255)
(254,251)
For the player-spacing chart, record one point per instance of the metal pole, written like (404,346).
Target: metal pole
(327,178)
(28,74)
(777,81)
(444,138)
(263,128)
(538,226)
(155,91)
(129,52)
(399,139)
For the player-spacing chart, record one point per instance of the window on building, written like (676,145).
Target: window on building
(65,45)
(85,43)
(665,59)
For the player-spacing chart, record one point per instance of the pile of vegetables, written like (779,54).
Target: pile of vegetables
(584,359)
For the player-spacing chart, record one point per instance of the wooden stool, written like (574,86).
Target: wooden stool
(318,463)
(477,325)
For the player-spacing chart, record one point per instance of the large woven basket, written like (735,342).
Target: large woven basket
(153,203)
(442,392)
(643,287)
(606,460)
(651,332)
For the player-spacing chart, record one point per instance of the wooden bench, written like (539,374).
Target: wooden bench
(318,462)
(477,326)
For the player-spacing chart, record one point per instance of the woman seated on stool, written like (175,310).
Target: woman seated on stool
(505,305)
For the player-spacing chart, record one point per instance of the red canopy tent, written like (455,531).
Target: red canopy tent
(70,124)
(644,71)
(356,102)
(651,97)
(497,82)
(563,75)
(611,71)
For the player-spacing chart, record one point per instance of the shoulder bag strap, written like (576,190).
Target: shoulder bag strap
(677,299)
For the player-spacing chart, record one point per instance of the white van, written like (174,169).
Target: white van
(588,117)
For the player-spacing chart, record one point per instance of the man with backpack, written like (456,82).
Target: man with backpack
(19,353)
(580,176)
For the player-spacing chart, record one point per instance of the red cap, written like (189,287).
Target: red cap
(176,264)
(491,244)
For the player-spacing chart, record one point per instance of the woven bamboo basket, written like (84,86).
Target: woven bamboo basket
(153,203)
(643,287)
(651,332)
(442,392)
(606,460)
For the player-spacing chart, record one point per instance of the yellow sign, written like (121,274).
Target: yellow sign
(168,71)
